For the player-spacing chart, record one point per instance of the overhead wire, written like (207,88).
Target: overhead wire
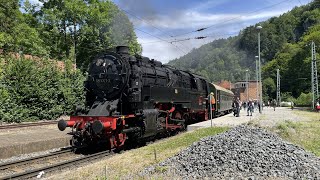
(228,20)
(148,22)
(144,20)
(161,39)
(197,37)
(141,19)
(171,41)
(197,30)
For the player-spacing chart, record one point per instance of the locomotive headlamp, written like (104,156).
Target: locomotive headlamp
(97,126)
(62,124)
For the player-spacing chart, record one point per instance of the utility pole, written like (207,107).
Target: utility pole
(210,99)
(278,88)
(247,84)
(314,75)
(257,78)
(259,66)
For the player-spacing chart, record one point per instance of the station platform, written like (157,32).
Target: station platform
(226,120)
(26,140)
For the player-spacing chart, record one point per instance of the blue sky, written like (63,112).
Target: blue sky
(159,23)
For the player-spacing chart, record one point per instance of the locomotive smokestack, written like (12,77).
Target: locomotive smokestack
(122,49)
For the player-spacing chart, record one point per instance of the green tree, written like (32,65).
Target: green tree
(304,99)
(15,34)
(86,28)
(38,90)
(269,88)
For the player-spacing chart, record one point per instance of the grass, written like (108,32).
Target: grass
(311,115)
(303,133)
(134,161)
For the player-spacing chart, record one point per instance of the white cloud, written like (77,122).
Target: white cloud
(164,51)
(208,4)
(192,19)
(226,25)
(161,51)
(36,2)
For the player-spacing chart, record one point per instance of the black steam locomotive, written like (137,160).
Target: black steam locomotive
(133,97)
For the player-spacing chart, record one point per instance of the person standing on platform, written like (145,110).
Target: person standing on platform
(255,105)
(236,107)
(274,104)
(213,102)
(292,105)
(318,106)
(250,108)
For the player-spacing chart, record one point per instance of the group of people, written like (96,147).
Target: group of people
(250,106)
(274,104)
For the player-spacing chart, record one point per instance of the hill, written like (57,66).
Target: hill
(283,46)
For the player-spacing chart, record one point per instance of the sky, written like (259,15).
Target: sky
(163,26)
(167,29)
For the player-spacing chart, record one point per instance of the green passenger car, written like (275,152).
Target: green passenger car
(224,99)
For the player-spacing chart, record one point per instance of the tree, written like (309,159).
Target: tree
(269,88)
(15,34)
(86,28)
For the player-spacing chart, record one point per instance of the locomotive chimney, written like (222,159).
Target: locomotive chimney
(122,49)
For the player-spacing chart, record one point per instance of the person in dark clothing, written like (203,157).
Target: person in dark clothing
(274,104)
(255,103)
(244,105)
(236,107)
(250,108)
(318,106)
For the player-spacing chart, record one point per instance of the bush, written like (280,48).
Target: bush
(304,100)
(287,96)
(34,90)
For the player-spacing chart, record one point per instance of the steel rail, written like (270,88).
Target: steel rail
(6,165)
(50,168)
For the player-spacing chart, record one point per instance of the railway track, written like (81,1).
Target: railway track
(50,159)
(14,126)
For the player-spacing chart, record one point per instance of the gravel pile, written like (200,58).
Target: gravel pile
(243,153)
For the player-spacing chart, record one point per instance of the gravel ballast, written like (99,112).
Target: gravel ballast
(243,152)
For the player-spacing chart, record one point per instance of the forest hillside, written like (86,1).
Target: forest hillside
(285,45)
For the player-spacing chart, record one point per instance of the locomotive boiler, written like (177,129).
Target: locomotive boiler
(131,98)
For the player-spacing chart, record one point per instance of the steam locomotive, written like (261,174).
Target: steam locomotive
(133,98)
